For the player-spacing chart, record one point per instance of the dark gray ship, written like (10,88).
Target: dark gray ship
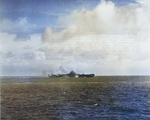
(72,74)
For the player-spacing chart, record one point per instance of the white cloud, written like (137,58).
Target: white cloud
(105,40)
(18,58)
(39,55)
(21,27)
(8,43)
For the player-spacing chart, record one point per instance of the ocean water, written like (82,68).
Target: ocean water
(19,79)
(127,100)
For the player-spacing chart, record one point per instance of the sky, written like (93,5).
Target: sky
(104,37)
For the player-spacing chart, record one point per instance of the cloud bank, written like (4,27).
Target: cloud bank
(108,40)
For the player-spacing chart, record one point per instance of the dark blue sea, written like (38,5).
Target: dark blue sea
(127,100)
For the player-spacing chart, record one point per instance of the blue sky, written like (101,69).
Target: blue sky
(39,12)
(88,36)
(45,13)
